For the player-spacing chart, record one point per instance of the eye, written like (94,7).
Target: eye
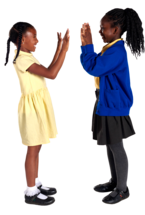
(101,28)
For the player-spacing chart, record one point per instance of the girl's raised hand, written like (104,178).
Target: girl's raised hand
(82,33)
(66,38)
(59,45)
(86,33)
(59,36)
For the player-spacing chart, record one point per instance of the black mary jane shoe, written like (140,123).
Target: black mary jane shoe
(51,190)
(36,201)
(120,195)
(109,186)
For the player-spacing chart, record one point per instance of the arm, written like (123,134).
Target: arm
(55,57)
(56,54)
(42,64)
(54,69)
(58,49)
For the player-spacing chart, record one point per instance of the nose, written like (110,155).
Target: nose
(37,41)
(99,32)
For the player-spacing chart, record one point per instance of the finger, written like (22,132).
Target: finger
(68,29)
(60,35)
(88,26)
(84,28)
(67,33)
(86,22)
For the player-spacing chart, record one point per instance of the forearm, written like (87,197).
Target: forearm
(55,57)
(54,69)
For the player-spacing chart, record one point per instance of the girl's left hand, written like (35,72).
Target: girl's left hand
(59,45)
(59,36)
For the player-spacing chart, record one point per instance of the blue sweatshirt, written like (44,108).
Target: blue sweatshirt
(115,98)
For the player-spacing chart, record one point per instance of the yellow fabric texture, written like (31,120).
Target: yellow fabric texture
(35,111)
(97,79)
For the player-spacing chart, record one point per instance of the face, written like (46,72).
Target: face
(29,40)
(107,33)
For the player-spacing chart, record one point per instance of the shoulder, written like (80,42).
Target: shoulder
(116,49)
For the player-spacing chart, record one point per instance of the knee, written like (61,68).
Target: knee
(33,151)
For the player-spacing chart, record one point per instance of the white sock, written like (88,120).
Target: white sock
(45,188)
(37,182)
(31,191)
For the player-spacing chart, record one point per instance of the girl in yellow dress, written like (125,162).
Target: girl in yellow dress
(35,111)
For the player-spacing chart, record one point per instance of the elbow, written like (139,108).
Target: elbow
(54,79)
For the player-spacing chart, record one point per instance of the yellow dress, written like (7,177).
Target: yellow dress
(35,111)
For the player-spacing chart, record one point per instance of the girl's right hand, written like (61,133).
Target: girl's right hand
(82,36)
(65,44)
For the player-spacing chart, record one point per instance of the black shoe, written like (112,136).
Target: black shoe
(109,186)
(120,197)
(51,192)
(36,201)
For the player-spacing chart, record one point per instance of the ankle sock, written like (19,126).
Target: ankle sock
(31,191)
(37,182)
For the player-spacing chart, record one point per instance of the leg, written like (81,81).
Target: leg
(37,162)
(111,164)
(121,164)
(30,164)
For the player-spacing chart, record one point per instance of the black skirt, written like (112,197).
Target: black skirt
(110,129)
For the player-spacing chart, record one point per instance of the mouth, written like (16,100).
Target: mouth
(35,46)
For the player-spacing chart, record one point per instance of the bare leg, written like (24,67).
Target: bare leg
(37,163)
(30,164)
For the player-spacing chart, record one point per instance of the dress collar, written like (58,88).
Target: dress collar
(22,53)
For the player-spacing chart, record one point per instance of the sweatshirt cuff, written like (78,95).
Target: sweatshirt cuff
(87,48)
(82,49)
(90,48)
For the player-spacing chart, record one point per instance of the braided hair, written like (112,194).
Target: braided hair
(15,34)
(129,21)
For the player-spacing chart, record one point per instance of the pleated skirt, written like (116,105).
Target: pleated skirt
(110,129)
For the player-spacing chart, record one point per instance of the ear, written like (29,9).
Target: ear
(116,30)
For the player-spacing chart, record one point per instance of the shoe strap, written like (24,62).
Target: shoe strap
(119,192)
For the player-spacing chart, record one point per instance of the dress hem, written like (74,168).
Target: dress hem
(39,143)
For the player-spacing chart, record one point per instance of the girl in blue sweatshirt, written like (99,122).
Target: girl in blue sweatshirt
(111,120)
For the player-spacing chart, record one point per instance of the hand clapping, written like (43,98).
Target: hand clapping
(86,37)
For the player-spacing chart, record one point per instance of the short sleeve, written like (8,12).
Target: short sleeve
(24,62)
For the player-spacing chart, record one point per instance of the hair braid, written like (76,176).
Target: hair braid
(7,51)
(19,43)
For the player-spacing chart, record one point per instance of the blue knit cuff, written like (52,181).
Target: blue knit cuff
(89,48)
(83,49)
